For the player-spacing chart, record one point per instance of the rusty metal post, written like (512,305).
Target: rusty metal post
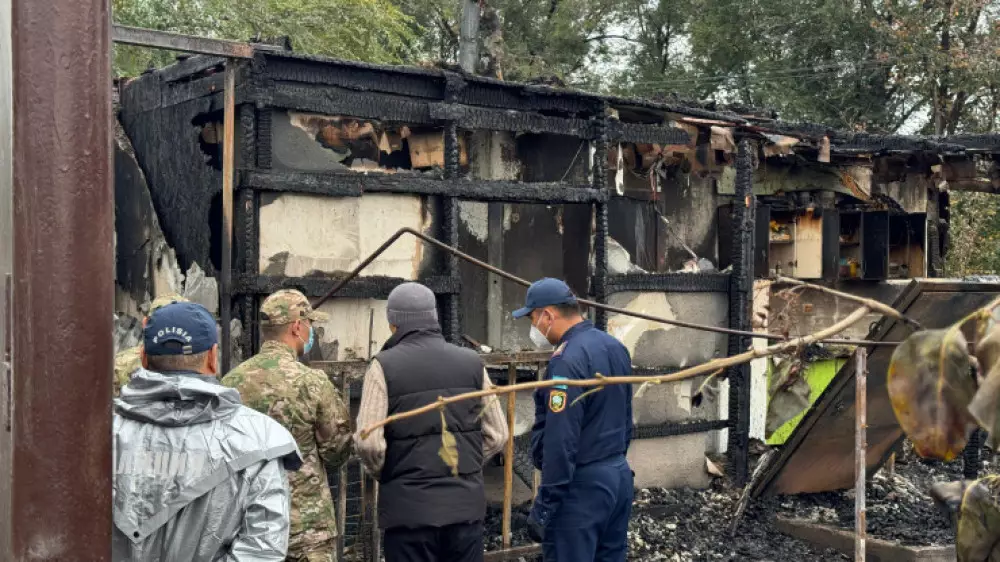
(508,459)
(860,449)
(55,470)
(228,162)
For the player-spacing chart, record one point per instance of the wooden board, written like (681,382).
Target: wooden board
(808,247)
(825,536)
(819,455)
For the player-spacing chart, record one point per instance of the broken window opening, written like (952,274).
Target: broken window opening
(210,132)
(309,142)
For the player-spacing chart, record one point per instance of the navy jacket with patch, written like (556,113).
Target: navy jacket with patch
(598,427)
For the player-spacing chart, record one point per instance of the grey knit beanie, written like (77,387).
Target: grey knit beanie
(411,303)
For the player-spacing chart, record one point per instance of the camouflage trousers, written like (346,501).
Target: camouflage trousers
(326,552)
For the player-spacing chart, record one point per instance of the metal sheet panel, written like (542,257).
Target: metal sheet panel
(819,455)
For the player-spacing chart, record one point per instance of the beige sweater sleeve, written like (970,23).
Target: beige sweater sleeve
(494,422)
(374,408)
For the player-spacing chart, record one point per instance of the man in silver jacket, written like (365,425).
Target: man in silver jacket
(198,477)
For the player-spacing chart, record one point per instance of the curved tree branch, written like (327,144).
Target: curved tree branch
(711,366)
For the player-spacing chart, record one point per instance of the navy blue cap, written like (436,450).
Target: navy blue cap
(545,292)
(180,328)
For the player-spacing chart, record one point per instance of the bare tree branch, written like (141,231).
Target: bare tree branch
(691,372)
(870,303)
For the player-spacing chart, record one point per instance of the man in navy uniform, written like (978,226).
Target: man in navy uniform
(584,502)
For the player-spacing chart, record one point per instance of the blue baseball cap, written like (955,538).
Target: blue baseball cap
(545,292)
(180,328)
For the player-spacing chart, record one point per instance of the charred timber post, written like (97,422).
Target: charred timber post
(450,223)
(55,460)
(860,450)
(600,182)
(245,224)
(740,295)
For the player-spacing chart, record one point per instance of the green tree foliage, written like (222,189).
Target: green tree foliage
(856,64)
(371,30)
(974,235)
(524,39)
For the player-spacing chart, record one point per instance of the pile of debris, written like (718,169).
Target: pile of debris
(688,525)
(898,506)
(694,525)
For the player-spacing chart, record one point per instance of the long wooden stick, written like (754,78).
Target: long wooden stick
(860,450)
(508,459)
(536,475)
(715,364)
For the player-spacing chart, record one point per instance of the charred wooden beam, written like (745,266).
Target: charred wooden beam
(669,282)
(469,117)
(426,83)
(353,184)
(671,429)
(362,77)
(643,133)
(187,43)
(330,100)
(373,287)
(984,143)
(189,67)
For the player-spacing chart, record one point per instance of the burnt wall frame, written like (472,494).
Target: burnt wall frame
(355,184)
(414,96)
(740,304)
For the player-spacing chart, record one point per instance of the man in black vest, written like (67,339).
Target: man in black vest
(429,512)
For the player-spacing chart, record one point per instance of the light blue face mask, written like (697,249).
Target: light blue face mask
(308,344)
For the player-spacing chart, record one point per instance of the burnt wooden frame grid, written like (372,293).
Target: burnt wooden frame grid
(281,81)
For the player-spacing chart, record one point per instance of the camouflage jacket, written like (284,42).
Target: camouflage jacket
(307,404)
(126,362)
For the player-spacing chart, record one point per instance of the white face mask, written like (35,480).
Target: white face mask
(539,339)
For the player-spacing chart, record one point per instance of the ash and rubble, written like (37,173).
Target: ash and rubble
(898,507)
(688,525)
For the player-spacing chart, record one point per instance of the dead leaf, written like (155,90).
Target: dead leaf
(979,522)
(930,388)
(788,395)
(713,468)
(449,448)
(985,405)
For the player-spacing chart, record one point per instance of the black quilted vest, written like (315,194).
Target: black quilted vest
(417,488)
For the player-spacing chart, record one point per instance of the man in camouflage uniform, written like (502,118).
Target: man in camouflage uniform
(307,404)
(127,360)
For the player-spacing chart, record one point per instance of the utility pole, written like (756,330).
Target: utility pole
(468,35)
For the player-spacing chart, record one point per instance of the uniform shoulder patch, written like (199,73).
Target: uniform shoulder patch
(557,401)
(559,350)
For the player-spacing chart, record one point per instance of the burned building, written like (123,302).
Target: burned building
(661,208)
